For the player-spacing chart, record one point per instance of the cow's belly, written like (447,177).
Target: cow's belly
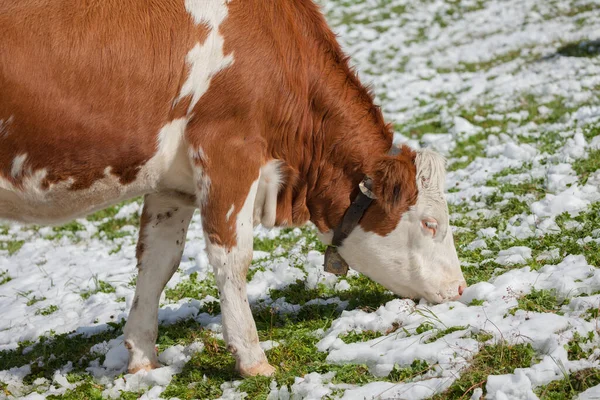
(30,201)
(59,204)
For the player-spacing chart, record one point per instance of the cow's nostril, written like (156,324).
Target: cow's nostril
(461,289)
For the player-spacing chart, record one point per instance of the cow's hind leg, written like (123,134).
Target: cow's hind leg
(226,195)
(163,229)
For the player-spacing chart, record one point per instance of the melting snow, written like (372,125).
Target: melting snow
(403,62)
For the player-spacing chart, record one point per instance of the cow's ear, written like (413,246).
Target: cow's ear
(394,180)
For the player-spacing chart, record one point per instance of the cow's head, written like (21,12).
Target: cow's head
(408,249)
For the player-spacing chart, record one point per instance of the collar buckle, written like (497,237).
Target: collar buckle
(334,263)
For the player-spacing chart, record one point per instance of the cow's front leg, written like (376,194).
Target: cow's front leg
(163,229)
(227,205)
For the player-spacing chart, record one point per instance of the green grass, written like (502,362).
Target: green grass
(575,347)
(287,240)
(34,300)
(100,286)
(497,360)
(87,390)
(567,241)
(363,293)
(587,166)
(47,310)
(111,229)
(298,293)
(441,333)
(470,148)
(4,277)
(428,122)
(584,48)
(71,227)
(51,353)
(572,385)
(541,301)
(211,307)
(296,354)
(364,336)
(108,226)
(31,300)
(592,313)
(486,65)
(548,142)
(12,246)
(406,374)
(535,187)
(193,288)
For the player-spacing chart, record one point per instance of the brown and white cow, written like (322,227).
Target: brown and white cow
(245,109)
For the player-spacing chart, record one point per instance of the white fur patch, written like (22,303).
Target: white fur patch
(265,207)
(169,141)
(228,215)
(211,12)
(18,162)
(230,266)
(207,59)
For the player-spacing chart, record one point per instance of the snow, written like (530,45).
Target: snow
(173,360)
(514,256)
(386,390)
(414,71)
(515,386)
(590,394)
(268,344)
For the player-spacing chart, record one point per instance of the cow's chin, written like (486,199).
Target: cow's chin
(432,296)
(419,289)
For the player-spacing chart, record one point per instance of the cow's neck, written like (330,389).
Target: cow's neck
(337,140)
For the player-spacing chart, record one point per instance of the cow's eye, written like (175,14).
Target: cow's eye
(430,226)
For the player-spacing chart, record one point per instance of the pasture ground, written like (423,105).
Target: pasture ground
(509,92)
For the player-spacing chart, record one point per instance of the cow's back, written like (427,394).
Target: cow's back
(87,88)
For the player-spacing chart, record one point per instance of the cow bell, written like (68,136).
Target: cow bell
(334,263)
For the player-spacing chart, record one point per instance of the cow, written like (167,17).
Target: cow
(244,109)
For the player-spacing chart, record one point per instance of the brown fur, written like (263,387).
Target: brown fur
(323,121)
(91,83)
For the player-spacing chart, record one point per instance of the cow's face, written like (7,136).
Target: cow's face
(417,258)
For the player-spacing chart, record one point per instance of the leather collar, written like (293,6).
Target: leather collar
(334,263)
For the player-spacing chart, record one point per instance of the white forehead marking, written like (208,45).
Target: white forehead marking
(207,59)
(431,171)
(431,178)
(17,165)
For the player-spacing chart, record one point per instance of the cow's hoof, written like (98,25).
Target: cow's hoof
(143,367)
(262,369)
